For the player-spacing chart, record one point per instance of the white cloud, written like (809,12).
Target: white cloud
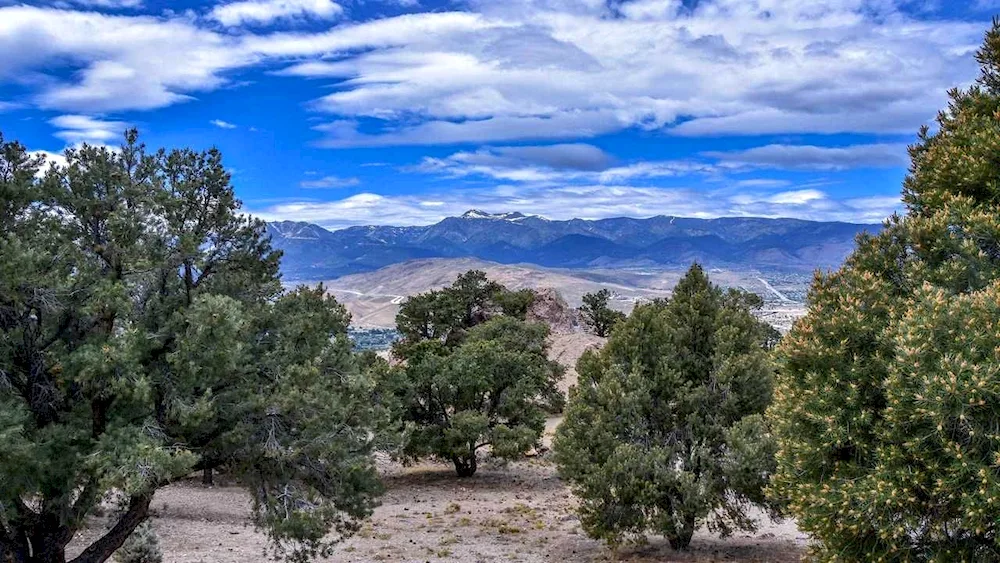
(797,197)
(566,69)
(117,62)
(810,157)
(50,159)
(114,4)
(222,124)
(762,183)
(563,163)
(583,163)
(344,134)
(328,182)
(261,12)
(588,202)
(521,69)
(76,129)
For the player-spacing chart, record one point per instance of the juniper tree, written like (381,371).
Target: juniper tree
(888,397)
(144,335)
(471,376)
(446,314)
(664,430)
(598,315)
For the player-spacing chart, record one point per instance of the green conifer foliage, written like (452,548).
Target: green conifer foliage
(888,394)
(474,375)
(143,546)
(597,315)
(664,431)
(144,335)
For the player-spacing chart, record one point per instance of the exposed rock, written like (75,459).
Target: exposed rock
(550,308)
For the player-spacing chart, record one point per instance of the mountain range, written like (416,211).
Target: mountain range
(314,253)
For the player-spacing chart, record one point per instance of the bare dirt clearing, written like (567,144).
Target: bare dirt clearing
(521,512)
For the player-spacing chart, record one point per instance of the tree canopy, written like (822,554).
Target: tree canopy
(664,430)
(474,374)
(597,315)
(144,334)
(889,389)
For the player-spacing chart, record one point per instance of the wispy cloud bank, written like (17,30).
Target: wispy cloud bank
(75,129)
(810,157)
(328,182)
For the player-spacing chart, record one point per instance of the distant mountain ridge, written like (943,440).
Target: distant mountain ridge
(314,253)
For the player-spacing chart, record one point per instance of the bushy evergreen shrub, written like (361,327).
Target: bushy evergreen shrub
(143,546)
(664,431)
(887,403)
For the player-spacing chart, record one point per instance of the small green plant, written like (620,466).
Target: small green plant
(143,546)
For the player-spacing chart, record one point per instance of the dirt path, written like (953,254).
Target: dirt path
(518,513)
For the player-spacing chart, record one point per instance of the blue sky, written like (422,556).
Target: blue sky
(347,112)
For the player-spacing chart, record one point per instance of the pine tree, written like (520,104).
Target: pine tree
(474,375)
(598,315)
(664,430)
(144,335)
(888,392)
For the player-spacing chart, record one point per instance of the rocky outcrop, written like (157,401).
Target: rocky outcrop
(550,308)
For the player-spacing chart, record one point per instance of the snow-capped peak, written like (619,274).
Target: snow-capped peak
(512,216)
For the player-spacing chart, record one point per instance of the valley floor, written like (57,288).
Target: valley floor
(521,512)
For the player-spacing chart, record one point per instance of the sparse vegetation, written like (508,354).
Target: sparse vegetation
(886,406)
(664,430)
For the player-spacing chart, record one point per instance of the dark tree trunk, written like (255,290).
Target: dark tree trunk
(102,549)
(14,550)
(680,539)
(207,478)
(49,549)
(465,466)
(47,545)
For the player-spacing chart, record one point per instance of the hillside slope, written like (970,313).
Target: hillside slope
(373,298)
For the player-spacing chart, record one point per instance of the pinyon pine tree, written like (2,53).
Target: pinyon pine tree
(474,375)
(664,430)
(888,396)
(598,315)
(144,335)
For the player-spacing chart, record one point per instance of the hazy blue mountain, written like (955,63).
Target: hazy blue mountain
(314,253)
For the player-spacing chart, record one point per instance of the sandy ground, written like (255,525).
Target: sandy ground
(518,512)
